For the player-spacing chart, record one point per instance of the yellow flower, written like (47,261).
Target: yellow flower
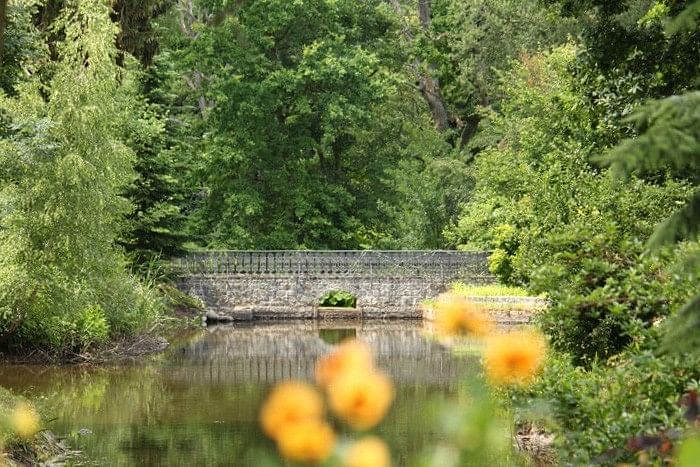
(361,399)
(310,441)
(454,315)
(514,358)
(24,421)
(289,403)
(350,356)
(368,452)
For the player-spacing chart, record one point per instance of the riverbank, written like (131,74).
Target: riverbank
(47,448)
(182,312)
(43,447)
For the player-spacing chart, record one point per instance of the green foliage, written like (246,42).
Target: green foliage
(430,191)
(136,32)
(159,192)
(21,43)
(505,242)
(62,168)
(472,41)
(605,296)
(670,140)
(561,226)
(293,87)
(595,412)
(339,298)
(627,57)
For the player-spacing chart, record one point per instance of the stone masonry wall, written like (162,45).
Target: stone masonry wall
(269,297)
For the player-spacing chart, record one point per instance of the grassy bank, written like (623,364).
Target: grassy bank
(175,311)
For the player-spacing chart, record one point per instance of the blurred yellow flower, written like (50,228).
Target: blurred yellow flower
(350,356)
(361,399)
(24,421)
(514,357)
(368,452)
(289,403)
(455,315)
(309,441)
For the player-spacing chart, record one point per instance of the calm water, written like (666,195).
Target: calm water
(197,403)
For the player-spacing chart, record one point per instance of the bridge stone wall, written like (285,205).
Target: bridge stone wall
(288,285)
(244,298)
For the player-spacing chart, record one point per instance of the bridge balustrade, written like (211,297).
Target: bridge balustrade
(344,263)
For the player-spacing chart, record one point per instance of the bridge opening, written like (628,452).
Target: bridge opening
(338,298)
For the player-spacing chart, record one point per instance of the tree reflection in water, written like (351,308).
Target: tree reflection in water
(197,404)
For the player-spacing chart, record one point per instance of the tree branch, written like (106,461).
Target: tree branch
(428,86)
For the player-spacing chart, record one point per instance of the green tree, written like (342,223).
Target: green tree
(62,169)
(669,141)
(161,189)
(288,90)
(19,41)
(471,42)
(626,58)
(136,35)
(458,47)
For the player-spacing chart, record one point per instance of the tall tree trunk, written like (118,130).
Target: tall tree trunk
(428,86)
(187,19)
(3,20)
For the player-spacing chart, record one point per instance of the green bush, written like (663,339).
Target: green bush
(339,298)
(595,412)
(506,244)
(604,293)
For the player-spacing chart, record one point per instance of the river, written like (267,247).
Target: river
(197,403)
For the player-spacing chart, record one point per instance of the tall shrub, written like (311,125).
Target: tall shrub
(62,168)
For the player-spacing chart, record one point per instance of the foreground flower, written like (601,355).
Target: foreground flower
(455,315)
(309,441)
(350,356)
(290,403)
(361,399)
(368,452)
(24,421)
(514,358)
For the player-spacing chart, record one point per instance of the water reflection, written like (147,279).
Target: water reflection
(197,404)
(336,335)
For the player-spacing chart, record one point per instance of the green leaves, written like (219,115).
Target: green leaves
(61,274)
(669,139)
(295,87)
(338,298)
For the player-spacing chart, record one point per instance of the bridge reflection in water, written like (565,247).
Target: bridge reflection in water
(268,353)
(197,404)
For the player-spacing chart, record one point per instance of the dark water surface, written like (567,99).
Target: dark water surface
(197,404)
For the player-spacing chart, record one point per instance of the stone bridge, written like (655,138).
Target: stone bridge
(288,284)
